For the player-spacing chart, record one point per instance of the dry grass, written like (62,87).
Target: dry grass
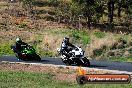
(3,3)
(96,43)
(51,42)
(61,73)
(47,8)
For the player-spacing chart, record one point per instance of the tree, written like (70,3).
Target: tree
(75,13)
(62,11)
(129,11)
(88,8)
(28,4)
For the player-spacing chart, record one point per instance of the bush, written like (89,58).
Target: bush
(49,18)
(128,58)
(81,36)
(22,25)
(76,35)
(99,34)
(97,52)
(86,40)
(54,2)
(42,52)
(46,53)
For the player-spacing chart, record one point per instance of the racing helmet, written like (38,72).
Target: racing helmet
(66,40)
(18,40)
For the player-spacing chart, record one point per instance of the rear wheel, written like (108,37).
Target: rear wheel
(78,62)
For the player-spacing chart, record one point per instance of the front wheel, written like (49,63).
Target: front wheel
(86,62)
(66,61)
(37,58)
(21,57)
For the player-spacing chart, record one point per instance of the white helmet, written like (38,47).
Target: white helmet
(18,40)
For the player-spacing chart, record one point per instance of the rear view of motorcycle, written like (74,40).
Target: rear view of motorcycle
(74,56)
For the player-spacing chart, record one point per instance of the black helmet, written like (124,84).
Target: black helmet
(66,40)
(18,40)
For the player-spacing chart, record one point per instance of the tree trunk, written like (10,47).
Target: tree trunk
(110,11)
(88,22)
(79,23)
(110,14)
(119,8)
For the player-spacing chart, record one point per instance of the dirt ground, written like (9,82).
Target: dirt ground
(61,73)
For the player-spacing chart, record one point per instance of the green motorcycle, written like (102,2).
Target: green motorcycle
(27,53)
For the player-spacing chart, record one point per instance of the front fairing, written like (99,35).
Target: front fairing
(78,52)
(28,51)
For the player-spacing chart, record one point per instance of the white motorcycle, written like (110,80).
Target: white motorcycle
(75,56)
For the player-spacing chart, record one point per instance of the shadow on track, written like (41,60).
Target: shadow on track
(97,66)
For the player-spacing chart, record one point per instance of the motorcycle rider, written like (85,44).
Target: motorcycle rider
(65,46)
(19,44)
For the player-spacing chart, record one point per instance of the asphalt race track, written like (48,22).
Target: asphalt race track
(121,66)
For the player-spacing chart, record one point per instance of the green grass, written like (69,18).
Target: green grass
(99,34)
(121,59)
(77,37)
(127,37)
(45,53)
(5,49)
(80,36)
(10,79)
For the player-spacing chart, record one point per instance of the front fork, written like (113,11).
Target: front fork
(82,59)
